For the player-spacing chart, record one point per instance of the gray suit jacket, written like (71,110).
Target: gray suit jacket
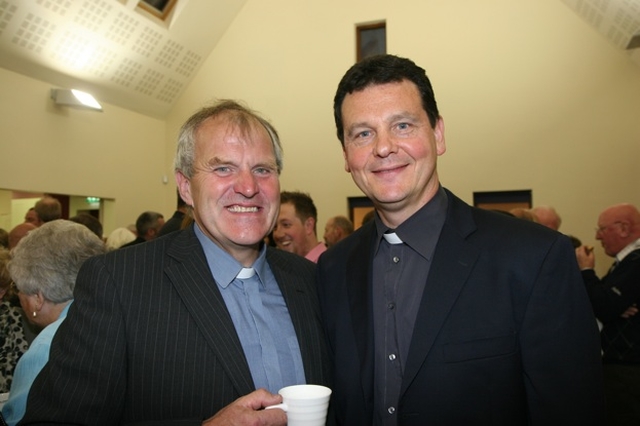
(149,338)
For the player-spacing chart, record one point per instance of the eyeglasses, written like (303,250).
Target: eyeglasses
(605,227)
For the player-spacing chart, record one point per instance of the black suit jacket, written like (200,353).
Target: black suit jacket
(504,335)
(610,297)
(149,338)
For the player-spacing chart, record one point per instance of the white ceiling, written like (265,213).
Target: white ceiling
(129,59)
(112,49)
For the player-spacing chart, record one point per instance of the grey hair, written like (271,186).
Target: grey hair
(48,259)
(239,116)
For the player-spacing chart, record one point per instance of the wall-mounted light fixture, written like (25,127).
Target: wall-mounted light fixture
(75,98)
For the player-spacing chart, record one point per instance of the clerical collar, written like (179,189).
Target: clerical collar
(422,229)
(392,238)
(246,273)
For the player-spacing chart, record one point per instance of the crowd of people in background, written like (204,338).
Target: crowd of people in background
(238,286)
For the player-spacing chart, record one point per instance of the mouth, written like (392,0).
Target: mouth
(243,209)
(388,169)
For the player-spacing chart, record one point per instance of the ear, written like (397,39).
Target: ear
(625,229)
(38,300)
(184,187)
(438,131)
(309,225)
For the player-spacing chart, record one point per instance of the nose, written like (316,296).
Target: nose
(246,184)
(385,145)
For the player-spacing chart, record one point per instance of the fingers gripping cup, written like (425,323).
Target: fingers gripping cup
(306,405)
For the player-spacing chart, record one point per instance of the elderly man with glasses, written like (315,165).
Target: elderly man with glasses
(615,297)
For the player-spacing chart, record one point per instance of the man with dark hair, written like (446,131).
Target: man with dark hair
(47,209)
(90,222)
(175,222)
(148,225)
(202,326)
(295,229)
(435,311)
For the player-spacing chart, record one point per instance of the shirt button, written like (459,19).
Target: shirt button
(396,259)
(391,410)
(392,357)
(391,306)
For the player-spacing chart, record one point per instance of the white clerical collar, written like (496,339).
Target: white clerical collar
(246,273)
(392,238)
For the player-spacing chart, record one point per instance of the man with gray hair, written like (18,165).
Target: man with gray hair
(547,216)
(336,229)
(204,325)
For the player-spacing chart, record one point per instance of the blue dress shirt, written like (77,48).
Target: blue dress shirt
(260,316)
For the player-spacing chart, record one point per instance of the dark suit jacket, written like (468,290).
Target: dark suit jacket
(610,297)
(149,338)
(504,335)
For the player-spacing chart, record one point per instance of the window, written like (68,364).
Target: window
(158,8)
(502,200)
(371,39)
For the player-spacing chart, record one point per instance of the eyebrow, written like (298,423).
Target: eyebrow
(405,115)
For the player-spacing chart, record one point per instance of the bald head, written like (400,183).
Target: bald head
(18,232)
(618,226)
(547,216)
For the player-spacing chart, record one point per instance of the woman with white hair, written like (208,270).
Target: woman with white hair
(44,267)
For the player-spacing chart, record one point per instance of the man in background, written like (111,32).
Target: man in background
(18,232)
(175,222)
(295,229)
(202,326)
(547,216)
(336,229)
(31,216)
(435,311)
(47,209)
(148,226)
(611,297)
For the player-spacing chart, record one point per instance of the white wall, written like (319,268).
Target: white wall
(531,96)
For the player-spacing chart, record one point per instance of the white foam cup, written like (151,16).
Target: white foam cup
(305,405)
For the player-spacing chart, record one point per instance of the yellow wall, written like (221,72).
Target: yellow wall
(532,97)
(116,154)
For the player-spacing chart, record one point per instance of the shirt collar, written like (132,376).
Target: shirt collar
(628,249)
(422,229)
(223,266)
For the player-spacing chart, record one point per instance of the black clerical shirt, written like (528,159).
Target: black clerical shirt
(399,276)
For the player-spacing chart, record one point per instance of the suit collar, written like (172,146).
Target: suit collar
(453,261)
(192,279)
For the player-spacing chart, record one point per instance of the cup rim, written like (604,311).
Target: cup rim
(314,391)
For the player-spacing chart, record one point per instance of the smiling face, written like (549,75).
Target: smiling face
(234,190)
(390,148)
(291,233)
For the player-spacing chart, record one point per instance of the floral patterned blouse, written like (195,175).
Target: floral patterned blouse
(12,342)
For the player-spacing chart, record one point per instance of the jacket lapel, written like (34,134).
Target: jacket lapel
(452,263)
(359,267)
(305,319)
(192,279)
